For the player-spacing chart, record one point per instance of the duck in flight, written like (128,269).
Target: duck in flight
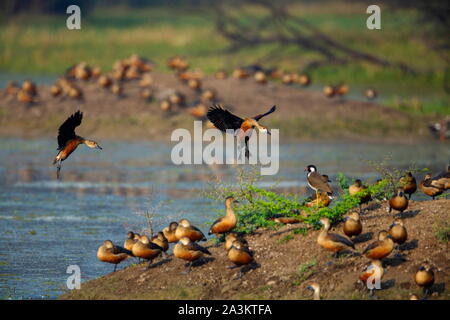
(68,141)
(223,120)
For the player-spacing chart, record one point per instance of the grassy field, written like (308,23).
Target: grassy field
(43,45)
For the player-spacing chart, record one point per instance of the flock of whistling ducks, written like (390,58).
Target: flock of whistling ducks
(182,233)
(186,235)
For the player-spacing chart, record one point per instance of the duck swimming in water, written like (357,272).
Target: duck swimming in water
(228,222)
(110,253)
(68,141)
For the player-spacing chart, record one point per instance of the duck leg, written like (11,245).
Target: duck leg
(188,270)
(149,264)
(115,266)
(58,169)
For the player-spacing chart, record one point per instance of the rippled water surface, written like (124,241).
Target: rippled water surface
(47,225)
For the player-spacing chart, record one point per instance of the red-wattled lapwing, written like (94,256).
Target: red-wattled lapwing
(223,120)
(318,182)
(68,141)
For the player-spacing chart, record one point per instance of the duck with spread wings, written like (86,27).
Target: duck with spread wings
(224,119)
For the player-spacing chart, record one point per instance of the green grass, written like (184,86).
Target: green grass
(43,45)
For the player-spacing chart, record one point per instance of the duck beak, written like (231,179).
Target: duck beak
(268,132)
(98,147)
(236,201)
(310,288)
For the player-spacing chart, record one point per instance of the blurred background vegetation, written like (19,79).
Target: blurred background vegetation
(327,38)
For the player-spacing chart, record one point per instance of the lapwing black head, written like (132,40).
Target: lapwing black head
(311,168)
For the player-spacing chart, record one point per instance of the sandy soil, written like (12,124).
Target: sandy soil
(301,114)
(290,262)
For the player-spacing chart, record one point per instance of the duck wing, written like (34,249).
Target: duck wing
(223,119)
(196,247)
(215,222)
(119,249)
(372,246)
(259,116)
(66,131)
(338,238)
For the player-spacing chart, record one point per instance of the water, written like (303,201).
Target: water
(47,225)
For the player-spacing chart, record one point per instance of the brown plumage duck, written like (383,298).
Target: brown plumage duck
(68,141)
(373,271)
(231,237)
(110,253)
(380,248)
(146,250)
(357,187)
(332,241)
(190,251)
(185,229)
(408,183)
(398,202)
(424,278)
(169,232)
(161,241)
(240,255)
(431,187)
(352,225)
(130,241)
(398,231)
(315,287)
(228,222)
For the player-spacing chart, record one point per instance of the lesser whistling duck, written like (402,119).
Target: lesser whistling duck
(329,91)
(221,75)
(188,250)
(398,231)
(68,141)
(82,71)
(185,229)
(228,222)
(169,232)
(398,202)
(374,271)
(240,255)
(408,183)
(117,89)
(424,278)
(25,96)
(315,287)
(104,81)
(11,88)
(341,89)
(358,187)
(332,241)
(147,93)
(322,201)
(30,87)
(130,241)
(352,225)
(195,84)
(165,105)
(286,220)
(370,93)
(260,77)
(287,78)
(317,182)
(96,72)
(161,241)
(223,120)
(178,63)
(240,73)
(132,73)
(146,80)
(110,253)
(146,250)
(443,178)
(208,95)
(55,90)
(198,111)
(231,237)
(380,248)
(177,98)
(304,80)
(431,187)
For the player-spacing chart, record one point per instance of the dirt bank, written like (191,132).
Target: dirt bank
(289,262)
(301,114)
